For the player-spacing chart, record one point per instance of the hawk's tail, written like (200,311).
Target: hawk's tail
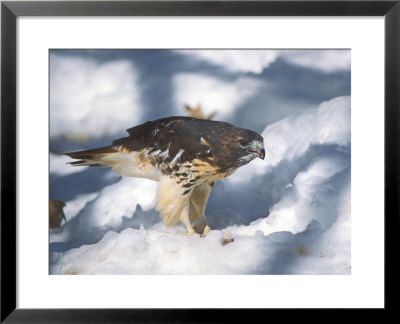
(91,157)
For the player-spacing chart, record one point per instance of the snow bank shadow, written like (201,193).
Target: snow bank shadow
(78,232)
(243,202)
(90,180)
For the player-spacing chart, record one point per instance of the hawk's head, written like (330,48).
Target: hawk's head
(233,146)
(247,145)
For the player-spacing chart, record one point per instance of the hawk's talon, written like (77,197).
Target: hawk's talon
(207,229)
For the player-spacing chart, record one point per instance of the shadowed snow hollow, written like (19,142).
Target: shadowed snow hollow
(288,214)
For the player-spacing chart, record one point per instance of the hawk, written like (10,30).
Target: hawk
(186,155)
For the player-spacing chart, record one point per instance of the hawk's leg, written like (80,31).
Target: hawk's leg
(171,202)
(174,205)
(184,217)
(197,206)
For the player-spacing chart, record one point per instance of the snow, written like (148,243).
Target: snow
(236,60)
(97,94)
(58,165)
(323,60)
(291,137)
(74,206)
(288,214)
(213,94)
(257,61)
(107,210)
(92,99)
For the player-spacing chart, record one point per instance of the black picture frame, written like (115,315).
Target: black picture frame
(10,10)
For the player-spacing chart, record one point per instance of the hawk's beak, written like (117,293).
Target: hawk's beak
(260,153)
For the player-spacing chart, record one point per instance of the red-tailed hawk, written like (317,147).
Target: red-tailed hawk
(186,155)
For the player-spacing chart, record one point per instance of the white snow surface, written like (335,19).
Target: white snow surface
(214,94)
(92,99)
(288,214)
(255,61)
(58,165)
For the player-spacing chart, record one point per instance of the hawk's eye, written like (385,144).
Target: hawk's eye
(243,142)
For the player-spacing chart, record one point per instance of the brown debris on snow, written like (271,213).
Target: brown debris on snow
(56,213)
(198,112)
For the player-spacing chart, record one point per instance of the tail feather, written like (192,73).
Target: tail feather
(85,163)
(91,157)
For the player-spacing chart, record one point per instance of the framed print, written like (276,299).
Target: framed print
(183,156)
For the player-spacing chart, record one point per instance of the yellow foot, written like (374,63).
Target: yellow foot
(190,231)
(206,230)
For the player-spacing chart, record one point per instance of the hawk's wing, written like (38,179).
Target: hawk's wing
(166,146)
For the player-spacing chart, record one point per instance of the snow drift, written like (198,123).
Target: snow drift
(214,95)
(85,95)
(288,214)
(256,61)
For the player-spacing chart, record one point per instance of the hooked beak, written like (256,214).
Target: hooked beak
(260,153)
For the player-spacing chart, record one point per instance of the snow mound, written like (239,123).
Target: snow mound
(88,98)
(255,61)
(288,214)
(236,60)
(323,60)
(59,166)
(214,94)
(110,209)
